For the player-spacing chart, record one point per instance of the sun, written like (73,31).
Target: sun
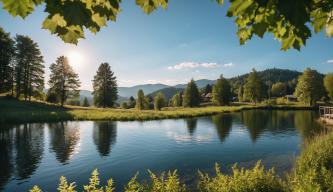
(75,58)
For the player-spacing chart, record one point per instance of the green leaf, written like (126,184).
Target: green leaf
(52,23)
(72,34)
(19,7)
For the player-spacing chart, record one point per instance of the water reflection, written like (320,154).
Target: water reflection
(64,139)
(21,150)
(6,165)
(255,121)
(221,138)
(104,136)
(191,124)
(223,124)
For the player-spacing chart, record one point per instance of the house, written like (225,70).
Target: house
(206,97)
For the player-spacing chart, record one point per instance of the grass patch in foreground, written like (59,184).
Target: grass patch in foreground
(14,111)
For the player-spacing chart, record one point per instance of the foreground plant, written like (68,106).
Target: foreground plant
(255,179)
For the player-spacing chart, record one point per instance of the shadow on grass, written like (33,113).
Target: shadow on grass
(16,111)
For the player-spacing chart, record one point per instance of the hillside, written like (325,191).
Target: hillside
(200,83)
(273,75)
(132,91)
(168,92)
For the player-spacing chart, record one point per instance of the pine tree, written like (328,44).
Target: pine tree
(254,88)
(159,101)
(221,94)
(6,59)
(131,102)
(310,87)
(105,87)
(191,95)
(328,82)
(29,68)
(64,82)
(85,102)
(141,101)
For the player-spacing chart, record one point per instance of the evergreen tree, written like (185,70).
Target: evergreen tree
(254,88)
(64,82)
(105,87)
(279,89)
(240,93)
(191,95)
(176,100)
(328,82)
(6,59)
(85,102)
(29,68)
(141,102)
(208,89)
(310,87)
(221,94)
(131,102)
(159,101)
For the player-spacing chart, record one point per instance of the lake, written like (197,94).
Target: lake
(40,153)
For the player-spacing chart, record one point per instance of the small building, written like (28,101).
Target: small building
(326,114)
(206,97)
(291,98)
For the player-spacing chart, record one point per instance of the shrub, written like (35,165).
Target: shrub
(241,180)
(313,169)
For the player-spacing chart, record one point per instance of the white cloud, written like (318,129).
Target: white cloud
(192,65)
(228,65)
(330,61)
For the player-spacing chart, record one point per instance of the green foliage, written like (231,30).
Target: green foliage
(241,180)
(124,105)
(314,168)
(93,183)
(64,82)
(221,94)
(141,102)
(35,189)
(68,19)
(310,87)
(159,101)
(65,187)
(290,27)
(191,97)
(176,100)
(85,102)
(278,89)
(133,185)
(240,94)
(105,87)
(29,67)
(328,83)
(131,102)
(254,88)
(7,54)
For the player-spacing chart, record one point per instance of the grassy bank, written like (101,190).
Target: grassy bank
(13,111)
(313,171)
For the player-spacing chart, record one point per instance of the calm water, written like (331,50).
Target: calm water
(40,153)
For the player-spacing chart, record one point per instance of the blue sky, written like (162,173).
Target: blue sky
(188,40)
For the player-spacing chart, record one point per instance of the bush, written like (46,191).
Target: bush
(314,168)
(124,105)
(241,180)
(270,102)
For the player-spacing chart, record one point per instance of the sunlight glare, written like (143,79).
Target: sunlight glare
(75,58)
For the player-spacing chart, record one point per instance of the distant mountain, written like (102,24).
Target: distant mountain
(132,91)
(200,83)
(168,92)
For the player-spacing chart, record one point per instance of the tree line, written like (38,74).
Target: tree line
(22,74)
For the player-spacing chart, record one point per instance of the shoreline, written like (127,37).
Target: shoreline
(39,113)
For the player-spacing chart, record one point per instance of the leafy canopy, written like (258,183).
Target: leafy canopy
(290,22)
